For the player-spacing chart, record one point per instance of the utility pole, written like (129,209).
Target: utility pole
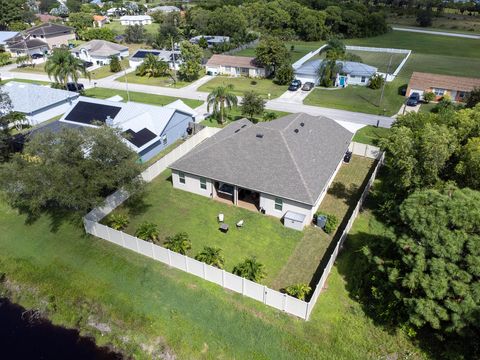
(385,82)
(126,81)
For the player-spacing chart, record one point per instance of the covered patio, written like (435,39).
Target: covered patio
(232,194)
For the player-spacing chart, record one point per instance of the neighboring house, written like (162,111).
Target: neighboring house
(99,21)
(45,18)
(116,11)
(171,57)
(148,129)
(456,87)
(40,39)
(100,51)
(281,168)
(211,40)
(164,9)
(234,66)
(5,35)
(129,20)
(99,3)
(351,73)
(38,103)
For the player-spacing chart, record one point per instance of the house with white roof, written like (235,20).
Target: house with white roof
(129,20)
(100,51)
(5,35)
(351,73)
(211,39)
(147,129)
(38,103)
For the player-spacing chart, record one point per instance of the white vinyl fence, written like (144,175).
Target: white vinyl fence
(365,150)
(223,278)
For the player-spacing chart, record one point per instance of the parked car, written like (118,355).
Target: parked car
(36,56)
(87,64)
(308,86)
(295,85)
(413,99)
(71,86)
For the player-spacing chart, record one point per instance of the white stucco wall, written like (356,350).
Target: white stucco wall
(192,184)
(267,202)
(357,80)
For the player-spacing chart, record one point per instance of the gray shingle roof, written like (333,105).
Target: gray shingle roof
(101,48)
(273,157)
(28,98)
(348,67)
(49,29)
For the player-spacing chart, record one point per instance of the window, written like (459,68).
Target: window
(363,79)
(203,183)
(461,94)
(181,177)
(278,204)
(164,139)
(439,92)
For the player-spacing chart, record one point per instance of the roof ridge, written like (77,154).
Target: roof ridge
(296,166)
(297,115)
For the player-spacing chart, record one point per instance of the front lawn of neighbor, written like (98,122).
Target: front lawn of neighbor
(371,135)
(37,69)
(104,71)
(341,199)
(28,81)
(244,84)
(164,81)
(104,93)
(236,114)
(176,210)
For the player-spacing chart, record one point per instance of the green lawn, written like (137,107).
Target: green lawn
(104,93)
(340,200)
(119,29)
(175,211)
(243,84)
(164,81)
(236,114)
(380,60)
(37,69)
(371,134)
(300,49)
(104,71)
(426,108)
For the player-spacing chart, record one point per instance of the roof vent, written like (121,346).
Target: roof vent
(244,126)
(260,136)
(302,124)
(237,130)
(295,131)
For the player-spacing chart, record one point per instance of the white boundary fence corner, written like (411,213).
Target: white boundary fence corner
(262,293)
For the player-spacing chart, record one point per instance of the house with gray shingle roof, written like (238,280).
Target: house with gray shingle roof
(38,103)
(100,52)
(280,167)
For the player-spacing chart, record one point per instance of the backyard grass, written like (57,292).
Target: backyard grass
(236,114)
(37,69)
(340,200)
(371,135)
(176,211)
(164,81)
(300,49)
(104,93)
(380,60)
(119,29)
(243,84)
(75,279)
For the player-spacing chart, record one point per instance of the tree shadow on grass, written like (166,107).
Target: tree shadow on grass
(340,191)
(136,204)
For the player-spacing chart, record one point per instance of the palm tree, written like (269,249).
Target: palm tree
(220,97)
(328,69)
(63,66)
(250,269)
(211,256)
(179,243)
(298,290)
(147,231)
(153,67)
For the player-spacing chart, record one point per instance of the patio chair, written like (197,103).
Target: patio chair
(240,224)
(220,217)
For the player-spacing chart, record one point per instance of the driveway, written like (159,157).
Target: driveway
(294,97)
(407,109)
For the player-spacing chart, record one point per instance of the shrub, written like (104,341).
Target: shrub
(211,256)
(376,82)
(118,221)
(250,269)
(269,116)
(428,96)
(300,291)
(253,82)
(284,75)
(147,231)
(180,243)
(5,58)
(331,224)
(115,65)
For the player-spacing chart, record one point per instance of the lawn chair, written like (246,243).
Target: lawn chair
(240,224)
(220,217)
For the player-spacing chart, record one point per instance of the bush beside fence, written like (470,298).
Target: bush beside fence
(262,293)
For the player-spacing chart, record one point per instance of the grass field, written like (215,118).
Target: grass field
(449,22)
(243,84)
(300,48)
(164,81)
(37,69)
(119,29)
(104,71)
(104,93)
(370,135)
(236,114)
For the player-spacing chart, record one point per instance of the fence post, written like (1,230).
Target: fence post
(264,294)
(153,251)
(123,238)
(307,312)
(243,286)
(204,271)
(186,262)
(223,278)
(285,298)
(169,257)
(136,243)
(95,228)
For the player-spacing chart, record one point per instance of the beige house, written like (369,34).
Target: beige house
(40,39)
(281,168)
(99,21)
(235,66)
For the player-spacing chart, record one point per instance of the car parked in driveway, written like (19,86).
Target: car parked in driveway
(71,86)
(295,85)
(308,86)
(413,99)
(36,56)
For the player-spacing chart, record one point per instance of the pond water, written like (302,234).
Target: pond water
(25,336)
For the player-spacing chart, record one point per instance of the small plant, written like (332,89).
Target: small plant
(300,291)
(118,221)
(250,269)
(331,223)
(376,82)
(428,96)
(147,231)
(211,256)
(269,116)
(292,48)
(180,243)
(253,82)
